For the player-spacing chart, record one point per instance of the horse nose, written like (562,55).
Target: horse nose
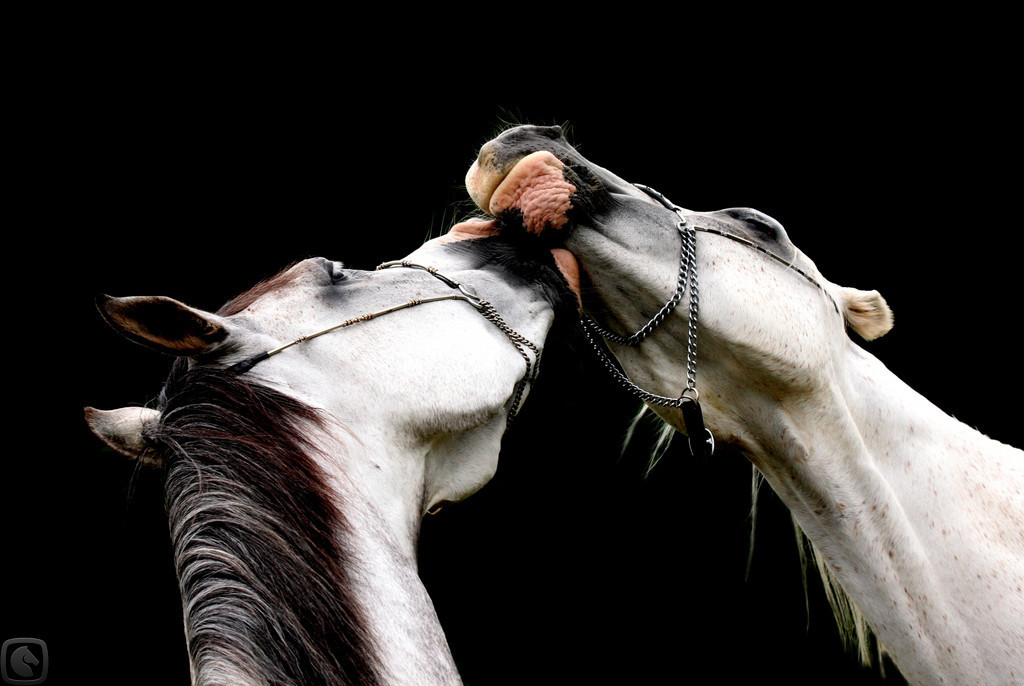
(497,157)
(513,144)
(555,132)
(526,132)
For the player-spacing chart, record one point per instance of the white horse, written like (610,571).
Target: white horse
(916,515)
(305,430)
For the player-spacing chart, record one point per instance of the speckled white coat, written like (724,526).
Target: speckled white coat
(919,517)
(418,402)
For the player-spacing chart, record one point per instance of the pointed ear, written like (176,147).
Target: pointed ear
(163,324)
(866,313)
(123,429)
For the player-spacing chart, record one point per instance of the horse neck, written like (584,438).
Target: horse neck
(289,570)
(382,508)
(371,596)
(917,516)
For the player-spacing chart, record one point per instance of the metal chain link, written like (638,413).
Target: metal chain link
(687,279)
(691,325)
(699,438)
(640,334)
(702,442)
(519,341)
(621,378)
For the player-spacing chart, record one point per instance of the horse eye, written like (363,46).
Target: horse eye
(335,272)
(759,225)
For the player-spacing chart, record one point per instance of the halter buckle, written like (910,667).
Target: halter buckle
(699,438)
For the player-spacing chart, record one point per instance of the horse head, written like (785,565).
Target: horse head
(733,335)
(306,428)
(773,326)
(427,375)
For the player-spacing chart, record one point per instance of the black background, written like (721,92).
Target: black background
(180,169)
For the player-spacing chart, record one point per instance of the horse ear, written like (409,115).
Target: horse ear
(163,323)
(867,313)
(123,429)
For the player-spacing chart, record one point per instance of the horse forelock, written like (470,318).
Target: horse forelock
(248,297)
(259,543)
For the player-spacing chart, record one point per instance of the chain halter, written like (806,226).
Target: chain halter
(465,294)
(701,441)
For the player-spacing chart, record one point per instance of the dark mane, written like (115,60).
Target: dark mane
(523,259)
(260,561)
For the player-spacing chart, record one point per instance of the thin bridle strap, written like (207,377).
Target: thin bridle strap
(788,264)
(465,294)
(246,365)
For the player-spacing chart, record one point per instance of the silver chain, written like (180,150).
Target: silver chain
(623,381)
(699,438)
(687,278)
(702,442)
(690,237)
(642,333)
(519,341)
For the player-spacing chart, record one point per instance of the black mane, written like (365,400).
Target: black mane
(260,561)
(259,544)
(523,259)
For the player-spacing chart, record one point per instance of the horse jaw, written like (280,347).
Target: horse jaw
(449,477)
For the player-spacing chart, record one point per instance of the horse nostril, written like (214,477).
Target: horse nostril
(528,131)
(552,132)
